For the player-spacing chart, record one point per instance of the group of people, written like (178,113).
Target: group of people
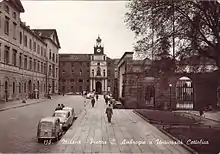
(59,107)
(109,110)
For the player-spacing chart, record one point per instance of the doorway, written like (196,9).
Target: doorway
(98,87)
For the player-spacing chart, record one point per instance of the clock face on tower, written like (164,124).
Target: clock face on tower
(98,50)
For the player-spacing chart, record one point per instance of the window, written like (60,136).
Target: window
(80,73)
(14,15)
(25,40)
(30,44)
(72,70)
(25,87)
(20,60)
(53,57)
(14,57)
(42,67)
(92,72)
(42,51)
(34,46)
(6,8)
(6,25)
(19,87)
(13,87)
(30,63)
(56,58)
(56,72)
(14,30)
(38,48)
(34,64)
(103,72)
(50,55)
(38,66)
(80,80)
(6,55)
(98,64)
(20,37)
(25,62)
(98,73)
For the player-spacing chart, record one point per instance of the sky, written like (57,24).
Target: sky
(78,24)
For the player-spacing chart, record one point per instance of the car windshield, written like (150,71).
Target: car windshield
(62,115)
(45,125)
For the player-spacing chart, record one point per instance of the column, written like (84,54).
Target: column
(94,84)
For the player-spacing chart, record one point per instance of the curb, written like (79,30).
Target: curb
(169,135)
(22,105)
(218,121)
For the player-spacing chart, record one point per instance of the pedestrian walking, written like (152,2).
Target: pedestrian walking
(106,100)
(93,102)
(109,112)
(97,97)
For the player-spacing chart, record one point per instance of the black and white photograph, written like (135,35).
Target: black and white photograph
(110,76)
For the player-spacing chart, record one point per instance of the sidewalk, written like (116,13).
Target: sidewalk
(211,115)
(18,103)
(128,133)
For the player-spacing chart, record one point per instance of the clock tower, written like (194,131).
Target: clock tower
(98,69)
(98,48)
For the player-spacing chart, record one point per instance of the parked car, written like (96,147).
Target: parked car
(117,105)
(49,128)
(65,118)
(69,93)
(72,112)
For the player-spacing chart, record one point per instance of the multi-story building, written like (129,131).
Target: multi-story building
(87,72)
(25,63)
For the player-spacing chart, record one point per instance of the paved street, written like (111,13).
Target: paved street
(128,133)
(19,126)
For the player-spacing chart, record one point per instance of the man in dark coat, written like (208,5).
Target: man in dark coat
(109,112)
(93,101)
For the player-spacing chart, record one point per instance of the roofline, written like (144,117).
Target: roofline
(50,38)
(33,33)
(124,56)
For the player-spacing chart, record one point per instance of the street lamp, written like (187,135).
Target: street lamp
(170,85)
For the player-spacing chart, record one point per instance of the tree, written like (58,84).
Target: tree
(195,25)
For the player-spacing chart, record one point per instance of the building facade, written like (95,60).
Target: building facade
(183,89)
(87,72)
(24,63)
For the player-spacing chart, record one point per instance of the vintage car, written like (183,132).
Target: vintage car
(72,112)
(117,105)
(65,118)
(49,128)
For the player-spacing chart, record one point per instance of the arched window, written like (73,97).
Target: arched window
(103,72)
(98,71)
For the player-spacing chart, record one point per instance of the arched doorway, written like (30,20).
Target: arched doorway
(184,93)
(6,91)
(98,87)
